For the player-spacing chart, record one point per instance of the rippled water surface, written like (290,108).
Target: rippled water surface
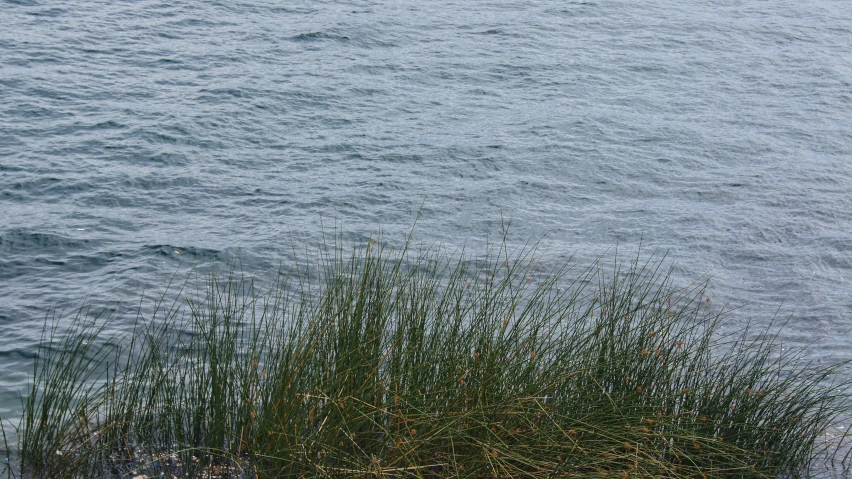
(139,136)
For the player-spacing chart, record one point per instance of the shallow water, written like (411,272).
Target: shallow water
(138,137)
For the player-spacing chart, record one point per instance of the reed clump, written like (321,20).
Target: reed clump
(383,363)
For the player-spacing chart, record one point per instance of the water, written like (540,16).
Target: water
(139,136)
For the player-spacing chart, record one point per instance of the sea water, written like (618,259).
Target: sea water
(139,139)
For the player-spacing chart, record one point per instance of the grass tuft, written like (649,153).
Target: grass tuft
(384,363)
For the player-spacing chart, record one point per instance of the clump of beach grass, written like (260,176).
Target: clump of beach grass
(394,363)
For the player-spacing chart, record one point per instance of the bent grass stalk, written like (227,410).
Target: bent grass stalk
(427,365)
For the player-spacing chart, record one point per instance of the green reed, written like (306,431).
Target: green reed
(383,363)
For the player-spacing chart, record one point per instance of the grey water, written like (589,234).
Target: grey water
(142,138)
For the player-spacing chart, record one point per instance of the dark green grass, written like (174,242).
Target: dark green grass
(383,363)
